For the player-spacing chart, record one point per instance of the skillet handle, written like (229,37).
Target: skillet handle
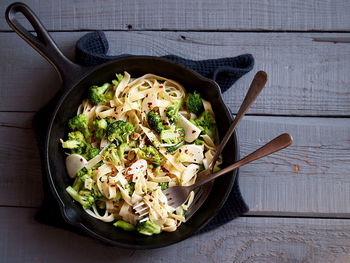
(43,43)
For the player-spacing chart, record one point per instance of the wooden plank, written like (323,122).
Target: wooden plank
(242,240)
(310,177)
(20,174)
(195,15)
(306,77)
(296,180)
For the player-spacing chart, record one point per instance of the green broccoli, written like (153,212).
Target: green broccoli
(85,198)
(76,142)
(97,94)
(80,178)
(150,153)
(206,122)
(119,131)
(194,103)
(118,80)
(113,154)
(148,228)
(131,188)
(118,197)
(155,121)
(164,186)
(100,126)
(198,142)
(173,135)
(173,110)
(90,152)
(173,148)
(124,225)
(79,123)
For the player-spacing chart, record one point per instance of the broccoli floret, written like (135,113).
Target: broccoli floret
(155,121)
(194,103)
(79,123)
(198,142)
(173,148)
(111,154)
(148,228)
(80,178)
(164,185)
(100,126)
(173,135)
(90,152)
(118,197)
(131,187)
(124,225)
(118,80)
(96,94)
(173,110)
(85,198)
(150,153)
(206,122)
(76,141)
(119,131)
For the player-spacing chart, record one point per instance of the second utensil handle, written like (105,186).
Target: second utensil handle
(279,143)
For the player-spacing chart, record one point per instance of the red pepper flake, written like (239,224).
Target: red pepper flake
(180,150)
(146,95)
(113,185)
(193,131)
(96,168)
(186,150)
(161,86)
(129,169)
(149,162)
(175,131)
(149,104)
(140,122)
(128,177)
(126,87)
(81,159)
(88,110)
(151,200)
(136,178)
(154,169)
(141,166)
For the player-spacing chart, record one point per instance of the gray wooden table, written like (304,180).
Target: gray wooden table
(299,198)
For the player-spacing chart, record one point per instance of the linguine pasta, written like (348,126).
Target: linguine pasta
(119,174)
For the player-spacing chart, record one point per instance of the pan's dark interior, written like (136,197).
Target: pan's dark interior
(137,67)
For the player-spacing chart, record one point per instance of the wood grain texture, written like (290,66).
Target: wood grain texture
(244,15)
(295,180)
(305,77)
(242,240)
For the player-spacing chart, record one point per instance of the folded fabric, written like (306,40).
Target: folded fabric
(92,49)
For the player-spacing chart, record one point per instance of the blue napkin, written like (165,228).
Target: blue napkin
(91,49)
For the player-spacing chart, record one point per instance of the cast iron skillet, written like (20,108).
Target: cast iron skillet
(75,80)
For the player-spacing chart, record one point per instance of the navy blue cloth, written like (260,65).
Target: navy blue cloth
(91,49)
